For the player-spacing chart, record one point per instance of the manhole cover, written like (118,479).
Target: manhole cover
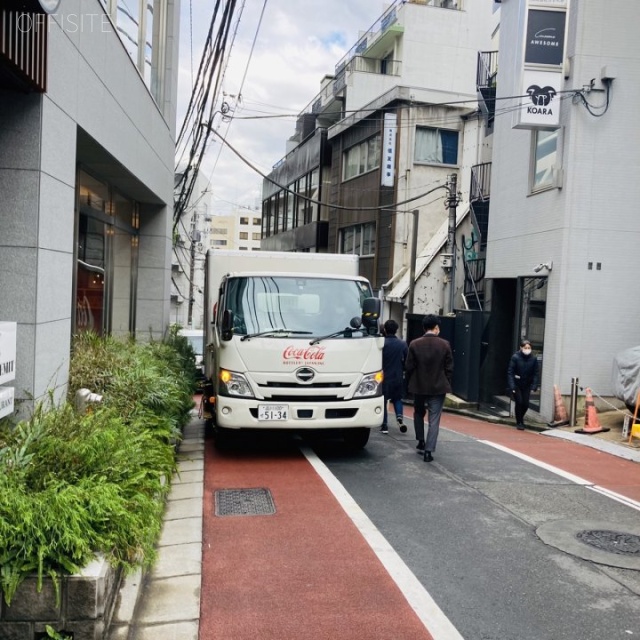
(244,502)
(611,541)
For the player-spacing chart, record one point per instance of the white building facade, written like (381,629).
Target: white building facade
(563,231)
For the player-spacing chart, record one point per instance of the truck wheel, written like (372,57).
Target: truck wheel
(356,438)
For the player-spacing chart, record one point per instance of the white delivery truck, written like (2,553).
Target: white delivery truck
(292,342)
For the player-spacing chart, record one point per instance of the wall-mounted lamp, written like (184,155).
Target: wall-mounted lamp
(543,265)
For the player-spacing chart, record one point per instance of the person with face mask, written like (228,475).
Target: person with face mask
(522,379)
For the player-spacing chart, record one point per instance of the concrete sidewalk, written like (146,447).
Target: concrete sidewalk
(164,604)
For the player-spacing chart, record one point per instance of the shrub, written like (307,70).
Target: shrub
(75,485)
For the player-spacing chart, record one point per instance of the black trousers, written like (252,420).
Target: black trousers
(522,402)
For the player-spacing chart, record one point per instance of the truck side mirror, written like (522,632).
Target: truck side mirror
(227,325)
(371,314)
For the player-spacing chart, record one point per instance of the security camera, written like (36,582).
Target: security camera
(543,265)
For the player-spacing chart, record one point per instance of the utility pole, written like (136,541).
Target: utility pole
(192,268)
(412,261)
(452,203)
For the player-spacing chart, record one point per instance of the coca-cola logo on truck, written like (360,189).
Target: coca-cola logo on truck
(296,355)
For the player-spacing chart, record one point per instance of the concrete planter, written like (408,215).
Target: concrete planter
(84,609)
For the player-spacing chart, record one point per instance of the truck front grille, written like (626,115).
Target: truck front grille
(309,398)
(297,385)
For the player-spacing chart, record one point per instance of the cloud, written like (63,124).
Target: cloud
(297,44)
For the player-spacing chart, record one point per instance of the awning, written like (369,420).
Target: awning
(425,257)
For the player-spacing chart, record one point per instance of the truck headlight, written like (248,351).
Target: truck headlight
(370,386)
(234,384)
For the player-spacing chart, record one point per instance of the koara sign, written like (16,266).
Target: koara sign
(8,331)
(541,109)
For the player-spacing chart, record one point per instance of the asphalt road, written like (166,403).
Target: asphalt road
(466,526)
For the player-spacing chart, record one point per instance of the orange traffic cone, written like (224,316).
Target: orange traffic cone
(591,420)
(560,415)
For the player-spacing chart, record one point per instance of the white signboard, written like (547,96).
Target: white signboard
(541,106)
(8,331)
(6,401)
(388,149)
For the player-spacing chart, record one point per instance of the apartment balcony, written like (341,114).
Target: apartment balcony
(486,83)
(479,197)
(23,51)
(474,256)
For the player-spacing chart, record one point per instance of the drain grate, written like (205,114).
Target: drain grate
(244,502)
(626,544)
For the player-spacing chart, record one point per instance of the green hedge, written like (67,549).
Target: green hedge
(75,485)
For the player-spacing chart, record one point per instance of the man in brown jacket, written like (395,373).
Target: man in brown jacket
(429,366)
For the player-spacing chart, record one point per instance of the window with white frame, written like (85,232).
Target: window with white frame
(544,159)
(359,239)
(141,26)
(361,158)
(436,146)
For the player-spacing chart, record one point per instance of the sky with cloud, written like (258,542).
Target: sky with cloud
(298,42)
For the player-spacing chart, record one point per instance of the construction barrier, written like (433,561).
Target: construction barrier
(560,415)
(591,420)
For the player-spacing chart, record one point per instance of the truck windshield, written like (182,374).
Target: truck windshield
(318,306)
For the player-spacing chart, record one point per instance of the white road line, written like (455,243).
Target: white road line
(616,496)
(568,476)
(543,465)
(431,616)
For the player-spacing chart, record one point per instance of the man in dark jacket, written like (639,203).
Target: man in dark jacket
(522,378)
(394,353)
(429,366)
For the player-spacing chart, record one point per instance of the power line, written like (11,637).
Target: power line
(319,202)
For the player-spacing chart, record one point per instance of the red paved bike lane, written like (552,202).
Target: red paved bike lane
(304,572)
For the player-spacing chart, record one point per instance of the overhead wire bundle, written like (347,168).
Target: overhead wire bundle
(198,121)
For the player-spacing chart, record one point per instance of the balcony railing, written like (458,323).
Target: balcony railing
(487,69)
(480,188)
(23,50)
(388,18)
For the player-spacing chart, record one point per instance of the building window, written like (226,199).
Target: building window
(256,236)
(436,146)
(544,159)
(312,213)
(244,235)
(244,220)
(361,158)
(218,243)
(222,231)
(257,221)
(141,25)
(359,239)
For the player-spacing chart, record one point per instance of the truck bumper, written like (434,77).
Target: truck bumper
(238,413)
